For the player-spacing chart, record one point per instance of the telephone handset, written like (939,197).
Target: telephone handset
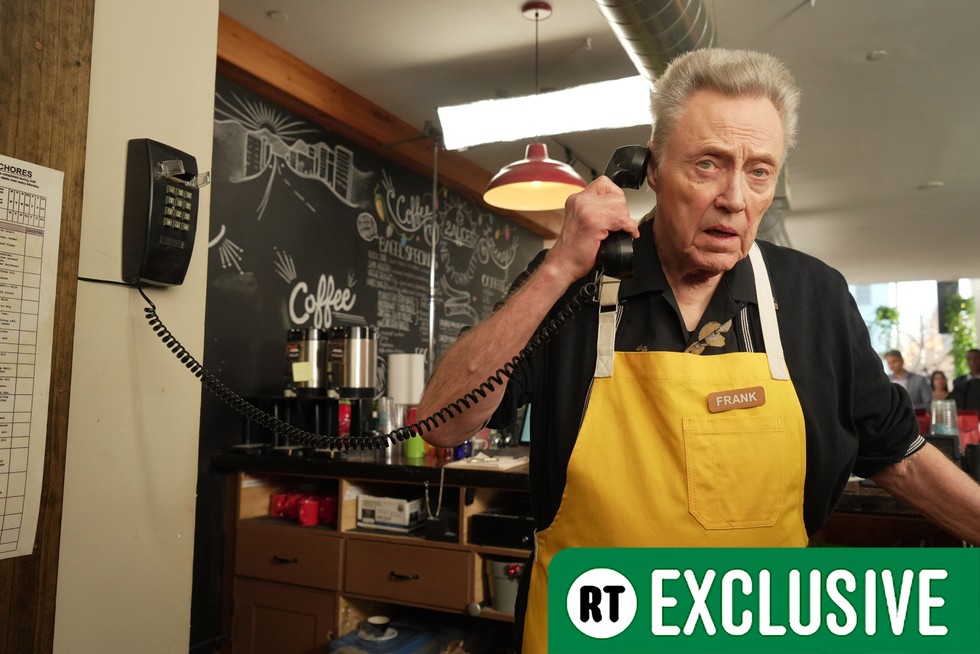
(627,168)
(160,215)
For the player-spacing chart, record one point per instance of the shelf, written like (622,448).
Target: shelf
(491,550)
(341,560)
(289,523)
(492,614)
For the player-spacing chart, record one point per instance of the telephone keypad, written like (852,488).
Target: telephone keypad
(177,208)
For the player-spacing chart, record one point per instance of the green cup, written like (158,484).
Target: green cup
(414,448)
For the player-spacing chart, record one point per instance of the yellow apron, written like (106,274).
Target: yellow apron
(653,467)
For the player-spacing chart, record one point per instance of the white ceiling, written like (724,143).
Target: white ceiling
(872,132)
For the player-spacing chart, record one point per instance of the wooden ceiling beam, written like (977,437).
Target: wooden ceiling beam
(247,59)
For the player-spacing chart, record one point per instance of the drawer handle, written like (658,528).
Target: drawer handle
(281,559)
(394,576)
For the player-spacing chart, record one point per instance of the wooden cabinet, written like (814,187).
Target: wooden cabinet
(274,618)
(290,588)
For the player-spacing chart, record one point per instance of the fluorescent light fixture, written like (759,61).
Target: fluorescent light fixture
(602,105)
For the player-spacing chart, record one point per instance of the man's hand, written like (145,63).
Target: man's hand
(590,216)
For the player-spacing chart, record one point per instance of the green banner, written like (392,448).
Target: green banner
(819,600)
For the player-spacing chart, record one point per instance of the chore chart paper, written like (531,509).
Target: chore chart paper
(30,226)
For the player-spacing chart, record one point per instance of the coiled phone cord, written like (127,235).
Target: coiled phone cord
(375,441)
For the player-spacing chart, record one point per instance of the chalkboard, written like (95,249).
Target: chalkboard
(309,229)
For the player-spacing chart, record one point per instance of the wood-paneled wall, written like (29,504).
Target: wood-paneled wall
(45,64)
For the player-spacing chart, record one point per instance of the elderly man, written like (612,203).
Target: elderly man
(742,390)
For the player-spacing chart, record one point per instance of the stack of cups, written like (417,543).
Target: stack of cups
(944,420)
(390,418)
(406,380)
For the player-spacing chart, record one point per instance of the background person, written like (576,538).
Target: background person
(973,363)
(710,319)
(940,385)
(916,385)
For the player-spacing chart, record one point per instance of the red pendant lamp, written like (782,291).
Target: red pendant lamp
(536,182)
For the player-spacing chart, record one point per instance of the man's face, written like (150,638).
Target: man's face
(894,364)
(716,180)
(973,362)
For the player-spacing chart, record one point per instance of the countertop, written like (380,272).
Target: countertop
(366,465)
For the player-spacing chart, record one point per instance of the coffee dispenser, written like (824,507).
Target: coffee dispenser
(352,360)
(352,367)
(306,361)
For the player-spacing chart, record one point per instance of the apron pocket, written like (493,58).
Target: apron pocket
(736,470)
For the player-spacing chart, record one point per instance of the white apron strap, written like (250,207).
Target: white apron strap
(767,315)
(606,344)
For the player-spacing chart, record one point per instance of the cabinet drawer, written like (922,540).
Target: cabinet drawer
(292,555)
(409,574)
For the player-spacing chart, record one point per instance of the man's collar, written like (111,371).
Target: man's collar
(648,274)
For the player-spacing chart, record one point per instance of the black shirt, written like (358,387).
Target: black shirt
(856,419)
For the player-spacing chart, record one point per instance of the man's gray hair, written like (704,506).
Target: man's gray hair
(730,72)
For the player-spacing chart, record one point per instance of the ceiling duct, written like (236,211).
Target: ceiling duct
(655,31)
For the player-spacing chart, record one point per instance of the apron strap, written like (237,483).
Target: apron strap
(767,315)
(606,343)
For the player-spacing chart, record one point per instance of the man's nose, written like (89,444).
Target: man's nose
(732,195)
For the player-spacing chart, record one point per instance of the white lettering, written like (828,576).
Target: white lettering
(659,603)
(321,306)
(870,602)
(838,614)
(700,607)
(794,603)
(727,603)
(403,252)
(897,607)
(766,628)
(927,601)
(850,616)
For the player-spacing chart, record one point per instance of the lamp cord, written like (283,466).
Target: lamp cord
(537,21)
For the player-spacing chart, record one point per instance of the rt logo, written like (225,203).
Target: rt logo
(601,603)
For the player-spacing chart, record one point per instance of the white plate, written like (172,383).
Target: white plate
(388,635)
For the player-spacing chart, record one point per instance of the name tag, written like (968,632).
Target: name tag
(740,398)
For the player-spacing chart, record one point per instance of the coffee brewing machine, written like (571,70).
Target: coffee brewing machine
(352,373)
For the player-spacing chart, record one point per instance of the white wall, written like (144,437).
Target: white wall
(124,579)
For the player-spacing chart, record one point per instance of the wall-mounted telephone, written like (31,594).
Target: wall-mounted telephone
(160,215)
(627,168)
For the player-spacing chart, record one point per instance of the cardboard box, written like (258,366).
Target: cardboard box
(389,513)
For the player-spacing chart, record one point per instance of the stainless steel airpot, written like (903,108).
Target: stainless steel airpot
(352,362)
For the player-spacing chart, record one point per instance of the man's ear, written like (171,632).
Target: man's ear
(652,168)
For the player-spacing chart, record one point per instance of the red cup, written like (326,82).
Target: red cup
(277,504)
(328,509)
(309,511)
(343,419)
(291,509)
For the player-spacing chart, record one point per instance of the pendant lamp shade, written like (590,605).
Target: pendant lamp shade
(535,183)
